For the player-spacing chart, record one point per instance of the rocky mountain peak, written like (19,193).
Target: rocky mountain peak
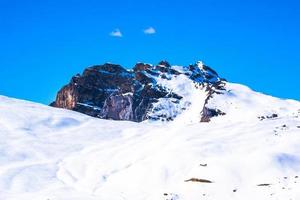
(142,67)
(164,63)
(155,92)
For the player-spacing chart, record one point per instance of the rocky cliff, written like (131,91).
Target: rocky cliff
(155,92)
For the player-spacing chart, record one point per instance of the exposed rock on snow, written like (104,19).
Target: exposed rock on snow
(198,180)
(110,91)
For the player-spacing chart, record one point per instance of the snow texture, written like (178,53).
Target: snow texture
(54,154)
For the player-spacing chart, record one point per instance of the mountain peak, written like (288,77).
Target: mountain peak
(147,92)
(164,63)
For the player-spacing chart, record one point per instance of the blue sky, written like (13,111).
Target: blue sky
(44,43)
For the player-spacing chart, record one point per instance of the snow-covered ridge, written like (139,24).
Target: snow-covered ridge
(189,85)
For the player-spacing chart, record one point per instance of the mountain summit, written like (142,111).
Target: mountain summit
(155,92)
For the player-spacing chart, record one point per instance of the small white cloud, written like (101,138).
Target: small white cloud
(150,31)
(116,33)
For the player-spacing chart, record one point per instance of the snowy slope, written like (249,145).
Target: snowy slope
(250,153)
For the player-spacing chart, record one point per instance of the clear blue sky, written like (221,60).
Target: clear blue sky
(44,43)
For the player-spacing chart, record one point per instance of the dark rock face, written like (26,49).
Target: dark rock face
(208,113)
(212,89)
(118,107)
(109,91)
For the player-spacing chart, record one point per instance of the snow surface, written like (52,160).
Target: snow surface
(193,99)
(54,154)
(190,85)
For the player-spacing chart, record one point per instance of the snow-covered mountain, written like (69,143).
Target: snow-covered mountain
(249,150)
(155,92)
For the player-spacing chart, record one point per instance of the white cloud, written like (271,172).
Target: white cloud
(150,31)
(116,33)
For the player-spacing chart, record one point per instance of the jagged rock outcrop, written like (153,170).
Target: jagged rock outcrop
(212,89)
(110,91)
